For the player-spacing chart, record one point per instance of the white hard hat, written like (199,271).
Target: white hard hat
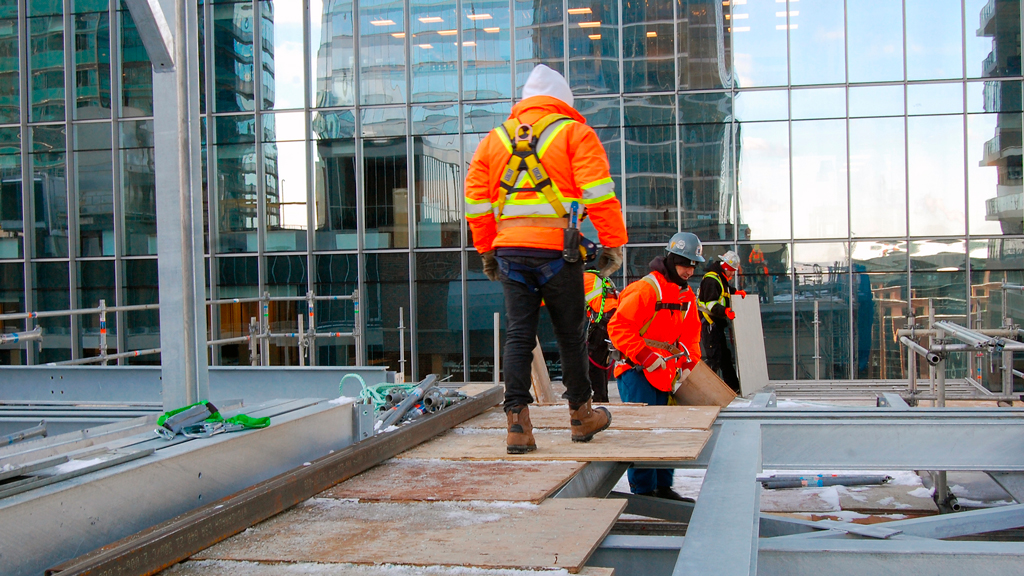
(730,259)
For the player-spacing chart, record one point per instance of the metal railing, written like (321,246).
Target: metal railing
(945,337)
(259,337)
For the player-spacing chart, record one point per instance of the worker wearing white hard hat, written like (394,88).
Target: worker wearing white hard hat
(714,300)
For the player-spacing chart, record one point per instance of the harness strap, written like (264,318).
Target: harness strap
(532,277)
(535,221)
(705,306)
(524,138)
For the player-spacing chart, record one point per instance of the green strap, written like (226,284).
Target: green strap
(240,419)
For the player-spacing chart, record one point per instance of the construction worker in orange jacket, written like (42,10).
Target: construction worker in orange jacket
(602,300)
(657,330)
(532,180)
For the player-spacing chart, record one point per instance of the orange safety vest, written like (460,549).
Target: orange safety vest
(574,160)
(594,290)
(638,325)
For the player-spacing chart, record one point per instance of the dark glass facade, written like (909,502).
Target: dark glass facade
(863,158)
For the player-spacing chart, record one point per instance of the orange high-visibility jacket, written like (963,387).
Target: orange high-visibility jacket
(593,286)
(637,306)
(578,167)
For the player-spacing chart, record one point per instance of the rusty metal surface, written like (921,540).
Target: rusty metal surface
(165,544)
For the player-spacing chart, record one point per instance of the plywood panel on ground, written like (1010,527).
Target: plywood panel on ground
(611,445)
(559,533)
(414,480)
(221,567)
(476,389)
(631,417)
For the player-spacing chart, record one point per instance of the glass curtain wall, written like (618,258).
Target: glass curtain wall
(862,157)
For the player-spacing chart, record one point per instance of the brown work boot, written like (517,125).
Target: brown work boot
(585,421)
(520,431)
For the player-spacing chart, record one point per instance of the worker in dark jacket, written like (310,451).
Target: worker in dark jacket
(714,300)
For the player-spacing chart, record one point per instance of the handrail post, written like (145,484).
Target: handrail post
(265,330)
(311,331)
(301,333)
(103,330)
(357,330)
(401,342)
(253,342)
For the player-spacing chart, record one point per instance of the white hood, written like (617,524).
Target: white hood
(544,81)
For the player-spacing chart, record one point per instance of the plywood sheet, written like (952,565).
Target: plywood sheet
(477,389)
(751,363)
(624,417)
(416,480)
(703,387)
(559,533)
(221,567)
(611,445)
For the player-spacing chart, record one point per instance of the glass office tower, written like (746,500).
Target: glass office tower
(863,158)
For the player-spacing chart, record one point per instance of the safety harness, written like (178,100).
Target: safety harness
(723,299)
(659,306)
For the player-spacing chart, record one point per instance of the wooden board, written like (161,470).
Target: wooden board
(751,362)
(540,379)
(477,389)
(412,480)
(703,388)
(222,567)
(559,533)
(631,417)
(609,446)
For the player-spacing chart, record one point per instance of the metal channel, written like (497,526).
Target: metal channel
(163,545)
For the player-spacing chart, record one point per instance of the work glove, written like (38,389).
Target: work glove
(650,360)
(741,293)
(490,265)
(610,261)
(730,314)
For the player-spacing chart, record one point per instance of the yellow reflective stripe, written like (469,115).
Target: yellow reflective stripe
(594,292)
(476,208)
(549,136)
(504,139)
(472,216)
(598,191)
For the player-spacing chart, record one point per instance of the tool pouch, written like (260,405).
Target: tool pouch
(571,245)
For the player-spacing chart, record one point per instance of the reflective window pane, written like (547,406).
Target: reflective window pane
(387,296)
(142,327)
(332,53)
(435,51)
(235,197)
(287,277)
(377,122)
(335,181)
(284,168)
(94,183)
(648,47)
(818,103)
(52,292)
(382,39)
(439,314)
(817,42)
(935,98)
(439,119)
(651,186)
(994,174)
(482,118)
(439,198)
(44,7)
(386,193)
(705,47)
(938,270)
(763,183)
(233,57)
(823,295)
(237,277)
(483,300)
(283,60)
(96,281)
(994,261)
(875,40)
(593,50)
(46,68)
(486,50)
(934,36)
(877,177)
(12,300)
(336,274)
(819,179)
(994,96)
(876,101)
(701,108)
(759,43)
(766,273)
(136,71)
(540,38)
(92,66)
(11,215)
(50,205)
(138,188)
(993,49)
(756,105)
(880,305)
(706,167)
(10,79)
(935,148)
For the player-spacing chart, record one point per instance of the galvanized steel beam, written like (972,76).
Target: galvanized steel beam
(596,480)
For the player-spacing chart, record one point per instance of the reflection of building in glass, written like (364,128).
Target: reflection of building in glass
(1000,21)
(335,60)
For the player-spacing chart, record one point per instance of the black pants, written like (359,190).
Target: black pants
(716,353)
(597,347)
(563,297)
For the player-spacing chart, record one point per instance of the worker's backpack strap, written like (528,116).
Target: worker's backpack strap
(524,139)
(659,305)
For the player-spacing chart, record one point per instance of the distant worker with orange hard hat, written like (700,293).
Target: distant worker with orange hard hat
(657,331)
(531,182)
(714,300)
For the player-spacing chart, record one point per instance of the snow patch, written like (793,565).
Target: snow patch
(342,400)
(72,465)
(922,492)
